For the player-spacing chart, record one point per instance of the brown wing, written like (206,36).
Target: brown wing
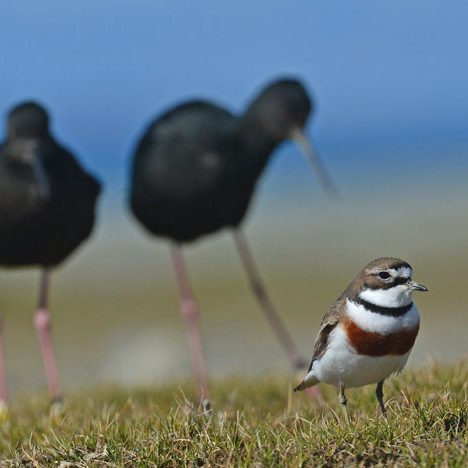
(328,324)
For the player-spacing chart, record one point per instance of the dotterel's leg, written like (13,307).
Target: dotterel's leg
(344,402)
(379,395)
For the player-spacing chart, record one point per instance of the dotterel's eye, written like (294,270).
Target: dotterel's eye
(384,274)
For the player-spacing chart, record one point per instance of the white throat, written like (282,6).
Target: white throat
(398,296)
(383,324)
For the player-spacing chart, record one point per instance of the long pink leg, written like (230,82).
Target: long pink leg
(42,322)
(190,313)
(3,386)
(260,292)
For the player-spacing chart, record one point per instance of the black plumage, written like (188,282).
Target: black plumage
(47,209)
(47,200)
(194,172)
(196,167)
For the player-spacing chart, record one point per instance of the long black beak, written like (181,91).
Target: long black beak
(309,151)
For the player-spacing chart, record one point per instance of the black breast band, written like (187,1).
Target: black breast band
(389,311)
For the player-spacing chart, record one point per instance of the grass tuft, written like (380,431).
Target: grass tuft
(255,423)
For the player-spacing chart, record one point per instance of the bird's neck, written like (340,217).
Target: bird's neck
(257,143)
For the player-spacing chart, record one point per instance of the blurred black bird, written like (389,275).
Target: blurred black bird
(47,209)
(194,172)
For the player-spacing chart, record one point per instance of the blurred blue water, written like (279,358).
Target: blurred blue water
(389,77)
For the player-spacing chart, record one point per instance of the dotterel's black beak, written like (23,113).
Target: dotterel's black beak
(417,286)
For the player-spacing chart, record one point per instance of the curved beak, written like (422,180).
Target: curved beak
(416,286)
(309,151)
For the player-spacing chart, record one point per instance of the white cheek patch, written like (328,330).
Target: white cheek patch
(398,296)
(378,323)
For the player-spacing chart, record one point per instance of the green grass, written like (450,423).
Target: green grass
(255,423)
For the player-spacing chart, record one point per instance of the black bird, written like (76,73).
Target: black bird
(47,209)
(194,172)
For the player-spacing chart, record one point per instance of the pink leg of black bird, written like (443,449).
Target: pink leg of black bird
(190,313)
(258,288)
(43,326)
(3,385)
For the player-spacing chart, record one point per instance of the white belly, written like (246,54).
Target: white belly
(341,364)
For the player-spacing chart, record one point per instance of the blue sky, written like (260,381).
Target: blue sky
(389,77)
